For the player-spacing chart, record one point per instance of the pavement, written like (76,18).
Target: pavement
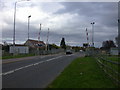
(34,72)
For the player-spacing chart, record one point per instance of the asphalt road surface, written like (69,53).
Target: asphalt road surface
(36,72)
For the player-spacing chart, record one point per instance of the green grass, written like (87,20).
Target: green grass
(82,73)
(113,58)
(115,67)
(17,56)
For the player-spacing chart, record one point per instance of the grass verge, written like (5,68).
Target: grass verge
(82,73)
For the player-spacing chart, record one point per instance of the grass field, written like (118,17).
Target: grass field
(17,56)
(113,58)
(114,67)
(82,73)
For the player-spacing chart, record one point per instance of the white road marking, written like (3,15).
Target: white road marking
(28,65)
(12,71)
(53,58)
(49,59)
(70,55)
(18,69)
(41,62)
(9,72)
(35,64)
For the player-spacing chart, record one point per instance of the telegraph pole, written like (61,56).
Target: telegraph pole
(39,39)
(87,36)
(28,25)
(39,33)
(47,40)
(14,29)
(119,27)
(92,37)
(93,34)
(15,5)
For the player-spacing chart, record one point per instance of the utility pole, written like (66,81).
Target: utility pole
(14,29)
(15,5)
(47,47)
(39,39)
(93,37)
(87,36)
(28,25)
(119,27)
(39,33)
(93,33)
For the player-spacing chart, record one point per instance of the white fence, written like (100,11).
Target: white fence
(19,49)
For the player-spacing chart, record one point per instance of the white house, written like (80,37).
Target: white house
(19,49)
(35,43)
(114,51)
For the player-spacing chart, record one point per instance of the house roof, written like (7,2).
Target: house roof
(35,41)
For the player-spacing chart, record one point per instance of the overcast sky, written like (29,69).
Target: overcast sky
(64,19)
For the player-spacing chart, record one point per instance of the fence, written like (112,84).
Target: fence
(110,67)
(45,52)
(34,52)
(53,51)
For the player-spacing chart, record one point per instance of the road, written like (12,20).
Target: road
(36,72)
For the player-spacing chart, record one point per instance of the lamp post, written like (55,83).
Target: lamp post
(92,33)
(14,29)
(15,5)
(47,41)
(119,27)
(118,37)
(28,25)
(39,40)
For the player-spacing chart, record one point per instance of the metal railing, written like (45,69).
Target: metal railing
(110,67)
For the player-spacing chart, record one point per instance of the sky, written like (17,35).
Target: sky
(63,18)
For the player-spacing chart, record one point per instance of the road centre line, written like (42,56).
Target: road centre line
(70,55)
(12,71)
(53,58)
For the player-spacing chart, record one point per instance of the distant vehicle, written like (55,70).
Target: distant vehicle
(68,52)
(81,50)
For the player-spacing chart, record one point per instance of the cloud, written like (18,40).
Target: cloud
(65,19)
(102,11)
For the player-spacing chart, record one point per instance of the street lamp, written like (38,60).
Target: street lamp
(28,25)
(118,37)
(119,27)
(47,41)
(14,24)
(92,33)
